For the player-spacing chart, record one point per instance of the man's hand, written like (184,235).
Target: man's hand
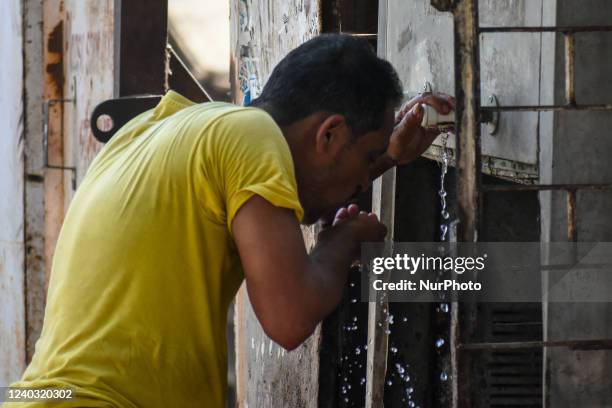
(409,139)
(364,226)
(290,290)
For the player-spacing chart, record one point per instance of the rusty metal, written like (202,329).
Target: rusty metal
(570,93)
(559,29)
(47,105)
(468,165)
(539,108)
(544,187)
(599,344)
(467,79)
(572,232)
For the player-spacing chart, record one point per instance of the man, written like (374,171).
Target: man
(187,201)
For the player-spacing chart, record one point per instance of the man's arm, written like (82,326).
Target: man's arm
(291,292)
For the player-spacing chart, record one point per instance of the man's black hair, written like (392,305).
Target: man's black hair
(335,73)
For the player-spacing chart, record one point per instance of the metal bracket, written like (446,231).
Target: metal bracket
(492,118)
(46,165)
(120,111)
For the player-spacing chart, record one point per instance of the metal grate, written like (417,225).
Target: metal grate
(505,356)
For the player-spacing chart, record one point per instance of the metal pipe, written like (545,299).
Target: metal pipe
(538,108)
(600,344)
(543,187)
(560,29)
(570,94)
(367,36)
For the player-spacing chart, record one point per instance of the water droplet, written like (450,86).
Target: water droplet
(399,368)
(410,390)
(363,380)
(439,343)
(390,319)
(444,307)
(354,318)
(387,331)
(394,350)
(357,351)
(353,300)
(346,400)
(443,231)
(445,215)
(389,383)
(411,404)
(365,347)
(443,376)
(405,319)
(352,284)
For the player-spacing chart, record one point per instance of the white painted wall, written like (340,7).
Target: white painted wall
(12,320)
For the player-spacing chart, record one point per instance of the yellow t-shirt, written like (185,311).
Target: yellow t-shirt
(145,266)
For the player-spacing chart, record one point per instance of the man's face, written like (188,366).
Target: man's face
(340,179)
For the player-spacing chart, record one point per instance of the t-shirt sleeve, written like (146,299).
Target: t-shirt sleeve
(253,158)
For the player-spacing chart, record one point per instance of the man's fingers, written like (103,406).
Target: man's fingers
(441,103)
(353,210)
(413,117)
(341,215)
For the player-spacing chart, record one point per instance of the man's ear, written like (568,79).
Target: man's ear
(332,135)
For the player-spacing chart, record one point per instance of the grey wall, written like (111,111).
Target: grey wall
(12,305)
(577,151)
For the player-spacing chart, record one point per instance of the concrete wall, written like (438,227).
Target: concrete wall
(12,305)
(262,33)
(420,45)
(578,152)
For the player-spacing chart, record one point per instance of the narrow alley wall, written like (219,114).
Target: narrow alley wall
(261,33)
(12,313)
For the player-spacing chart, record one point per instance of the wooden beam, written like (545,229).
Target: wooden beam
(383,204)
(142,40)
